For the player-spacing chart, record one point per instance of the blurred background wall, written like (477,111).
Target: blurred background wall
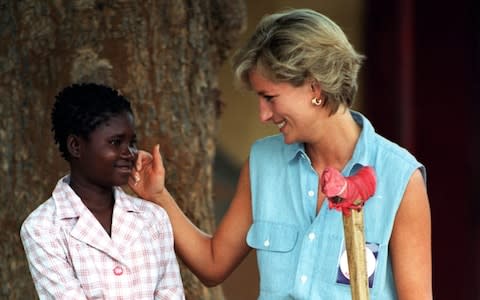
(420,88)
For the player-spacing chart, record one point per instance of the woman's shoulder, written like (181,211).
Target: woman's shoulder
(393,150)
(396,159)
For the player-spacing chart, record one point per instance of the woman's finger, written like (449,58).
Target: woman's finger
(143,158)
(157,159)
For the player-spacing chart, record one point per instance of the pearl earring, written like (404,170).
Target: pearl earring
(317,102)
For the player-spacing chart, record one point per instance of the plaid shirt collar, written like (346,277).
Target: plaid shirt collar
(127,226)
(69,205)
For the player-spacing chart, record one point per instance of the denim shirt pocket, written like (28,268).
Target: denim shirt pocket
(276,254)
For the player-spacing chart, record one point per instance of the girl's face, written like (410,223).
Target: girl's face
(289,107)
(108,155)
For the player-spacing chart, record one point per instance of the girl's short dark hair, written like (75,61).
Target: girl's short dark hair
(80,108)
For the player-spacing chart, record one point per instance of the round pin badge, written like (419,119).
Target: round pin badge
(371,263)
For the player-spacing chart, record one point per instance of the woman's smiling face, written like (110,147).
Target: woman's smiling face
(288,107)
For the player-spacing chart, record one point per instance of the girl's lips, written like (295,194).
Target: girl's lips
(124,168)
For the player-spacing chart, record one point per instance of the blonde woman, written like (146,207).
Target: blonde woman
(304,71)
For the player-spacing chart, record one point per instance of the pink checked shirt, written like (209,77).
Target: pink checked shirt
(72,257)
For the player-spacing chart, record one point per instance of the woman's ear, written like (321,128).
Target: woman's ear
(73,145)
(316,89)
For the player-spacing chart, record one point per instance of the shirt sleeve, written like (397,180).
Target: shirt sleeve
(169,286)
(52,274)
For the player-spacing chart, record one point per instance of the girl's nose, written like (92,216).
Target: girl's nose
(133,152)
(265,111)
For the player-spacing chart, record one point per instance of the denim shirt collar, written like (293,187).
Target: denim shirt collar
(360,155)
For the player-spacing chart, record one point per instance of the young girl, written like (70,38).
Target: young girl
(91,240)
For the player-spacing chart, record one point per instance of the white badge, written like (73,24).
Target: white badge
(371,253)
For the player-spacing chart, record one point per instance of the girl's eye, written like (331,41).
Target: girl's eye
(116,142)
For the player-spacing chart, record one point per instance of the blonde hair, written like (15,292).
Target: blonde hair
(299,45)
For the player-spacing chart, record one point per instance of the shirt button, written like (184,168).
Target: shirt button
(118,270)
(311,236)
(303,279)
(266,243)
(311,193)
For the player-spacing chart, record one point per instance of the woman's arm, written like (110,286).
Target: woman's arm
(210,258)
(410,244)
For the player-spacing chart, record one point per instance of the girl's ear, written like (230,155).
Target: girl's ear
(73,145)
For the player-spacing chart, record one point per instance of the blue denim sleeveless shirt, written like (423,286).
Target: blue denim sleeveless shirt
(298,251)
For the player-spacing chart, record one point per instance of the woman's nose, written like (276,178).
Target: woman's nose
(265,111)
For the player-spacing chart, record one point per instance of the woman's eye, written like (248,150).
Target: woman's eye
(268,98)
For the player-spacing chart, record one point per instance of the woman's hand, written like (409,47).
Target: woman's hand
(148,177)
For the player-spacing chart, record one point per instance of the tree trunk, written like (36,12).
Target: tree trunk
(163,55)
